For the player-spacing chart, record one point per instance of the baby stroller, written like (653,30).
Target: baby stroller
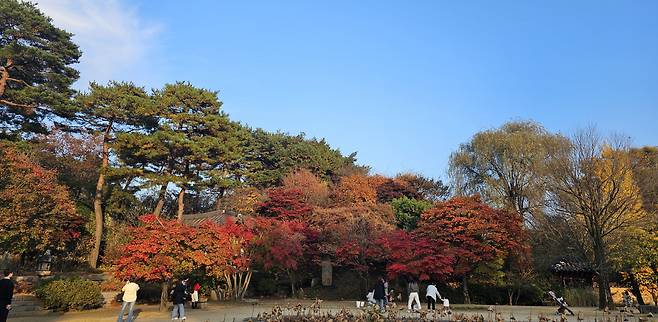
(563,306)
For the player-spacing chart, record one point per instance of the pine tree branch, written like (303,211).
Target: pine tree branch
(28,108)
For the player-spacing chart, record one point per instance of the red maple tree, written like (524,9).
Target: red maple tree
(279,246)
(159,250)
(479,235)
(285,204)
(417,257)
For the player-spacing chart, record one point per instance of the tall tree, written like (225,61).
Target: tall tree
(104,111)
(507,166)
(645,173)
(273,155)
(35,68)
(194,146)
(592,191)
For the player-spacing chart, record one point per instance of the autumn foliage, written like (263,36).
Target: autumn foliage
(414,256)
(36,212)
(355,189)
(315,191)
(475,232)
(278,245)
(159,250)
(285,203)
(392,188)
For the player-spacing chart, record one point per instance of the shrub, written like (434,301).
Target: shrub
(581,297)
(70,293)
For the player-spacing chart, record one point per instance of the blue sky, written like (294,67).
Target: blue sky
(403,83)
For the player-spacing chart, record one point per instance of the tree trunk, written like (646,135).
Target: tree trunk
(220,196)
(4,75)
(467,297)
(181,204)
(601,260)
(98,199)
(164,295)
(291,276)
(635,288)
(161,199)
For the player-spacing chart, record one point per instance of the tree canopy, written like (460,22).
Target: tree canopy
(36,70)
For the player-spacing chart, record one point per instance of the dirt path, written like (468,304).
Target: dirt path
(229,312)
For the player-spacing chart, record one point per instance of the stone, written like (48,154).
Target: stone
(327,273)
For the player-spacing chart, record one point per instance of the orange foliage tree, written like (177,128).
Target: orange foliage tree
(315,191)
(36,212)
(356,188)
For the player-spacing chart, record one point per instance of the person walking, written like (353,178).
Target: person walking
(129,298)
(6,294)
(413,296)
(179,295)
(432,295)
(380,294)
(195,295)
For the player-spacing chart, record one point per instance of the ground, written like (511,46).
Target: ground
(222,312)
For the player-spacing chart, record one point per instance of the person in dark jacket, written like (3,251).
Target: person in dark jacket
(179,296)
(6,294)
(380,294)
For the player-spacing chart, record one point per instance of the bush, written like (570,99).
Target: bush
(70,293)
(581,297)
(265,285)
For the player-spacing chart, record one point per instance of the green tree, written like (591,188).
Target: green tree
(408,211)
(104,111)
(195,146)
(273,155)
(507,166)
(35,68)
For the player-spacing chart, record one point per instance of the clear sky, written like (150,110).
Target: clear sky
(402,83)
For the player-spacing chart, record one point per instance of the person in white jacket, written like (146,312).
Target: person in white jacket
(432,295)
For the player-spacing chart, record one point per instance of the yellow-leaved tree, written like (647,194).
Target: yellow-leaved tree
(593,194)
